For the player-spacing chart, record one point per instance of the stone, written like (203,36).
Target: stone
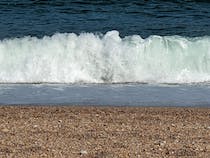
(83,152)
(5,130)
(208,147)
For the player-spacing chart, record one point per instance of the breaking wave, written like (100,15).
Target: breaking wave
(97,58)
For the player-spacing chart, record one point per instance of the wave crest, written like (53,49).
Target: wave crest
(91,58)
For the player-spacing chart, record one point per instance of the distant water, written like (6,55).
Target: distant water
(146,17)
(102,44)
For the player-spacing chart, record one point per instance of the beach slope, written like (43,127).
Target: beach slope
(75,131)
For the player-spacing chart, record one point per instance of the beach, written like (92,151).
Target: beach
(104,131)
(104,79)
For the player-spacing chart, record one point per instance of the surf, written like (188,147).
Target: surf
(105,58)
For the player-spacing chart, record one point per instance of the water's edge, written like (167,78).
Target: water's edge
(106,95)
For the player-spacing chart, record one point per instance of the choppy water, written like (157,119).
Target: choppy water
(129,17)
(75,42)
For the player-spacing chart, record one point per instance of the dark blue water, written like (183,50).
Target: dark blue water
(145,18)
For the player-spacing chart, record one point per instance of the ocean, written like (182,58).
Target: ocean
(81,52)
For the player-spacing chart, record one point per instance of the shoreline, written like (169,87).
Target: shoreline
(104,131)
(105,106)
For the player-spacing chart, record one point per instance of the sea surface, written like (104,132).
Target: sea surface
(128,52)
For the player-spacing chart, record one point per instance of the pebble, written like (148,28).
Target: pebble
(43,155)
(162,143)
(60,121)
(83,152)
(5,130)
(173,125)
(208,147)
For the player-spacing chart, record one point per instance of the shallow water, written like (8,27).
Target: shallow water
(105,94)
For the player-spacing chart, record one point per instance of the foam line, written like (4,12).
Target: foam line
(91,58)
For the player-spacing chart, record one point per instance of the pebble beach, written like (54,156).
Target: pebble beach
(99,132)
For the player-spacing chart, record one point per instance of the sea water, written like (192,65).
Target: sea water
(105,52)
(105,94)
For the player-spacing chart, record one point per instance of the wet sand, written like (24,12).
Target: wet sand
(99,132)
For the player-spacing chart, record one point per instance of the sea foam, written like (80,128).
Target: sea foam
(97,58)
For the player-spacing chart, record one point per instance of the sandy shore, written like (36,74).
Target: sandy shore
(100,132)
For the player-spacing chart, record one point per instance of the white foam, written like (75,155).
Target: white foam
(90,58)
